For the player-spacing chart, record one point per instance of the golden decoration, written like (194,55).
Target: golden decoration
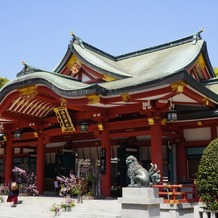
(93,99)
(164,121)
(28,92)
(35,134)
(72,60)
(201,61)
(199,123)
(178,86)
(150,121)
(100,127)
(108,78)
(126,97)
(206,101)
(63,102)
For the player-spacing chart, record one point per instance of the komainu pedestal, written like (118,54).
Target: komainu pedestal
(140,202)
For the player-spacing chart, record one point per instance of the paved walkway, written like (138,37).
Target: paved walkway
(39,207)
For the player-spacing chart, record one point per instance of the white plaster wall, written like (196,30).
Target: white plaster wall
(197,134)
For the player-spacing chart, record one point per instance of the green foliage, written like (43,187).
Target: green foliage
(216,70)
(207,176)
(3,81)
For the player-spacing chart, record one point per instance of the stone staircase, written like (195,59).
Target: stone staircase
(39,207)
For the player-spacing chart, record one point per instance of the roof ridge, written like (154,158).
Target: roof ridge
(83,44)
(192,38)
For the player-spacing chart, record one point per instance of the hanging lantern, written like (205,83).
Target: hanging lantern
(17,134)
(84,127)
(172,116)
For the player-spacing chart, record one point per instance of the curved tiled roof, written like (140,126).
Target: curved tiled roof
(160,61)
(145,65)
(100,61)
(60,81)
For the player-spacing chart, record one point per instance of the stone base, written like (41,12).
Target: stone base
(140,202)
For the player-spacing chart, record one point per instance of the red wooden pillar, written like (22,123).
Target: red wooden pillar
(106,177)
(181,158)
(156,146)
(40,165)
(9,157)
(213,132)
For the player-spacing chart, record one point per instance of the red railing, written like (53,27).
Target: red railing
(176,194)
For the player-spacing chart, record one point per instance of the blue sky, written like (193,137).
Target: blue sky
(38,32)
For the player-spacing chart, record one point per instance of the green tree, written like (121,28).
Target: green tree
(207,176)
(216,70)
(3,81)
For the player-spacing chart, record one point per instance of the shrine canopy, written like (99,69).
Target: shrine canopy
(98,87)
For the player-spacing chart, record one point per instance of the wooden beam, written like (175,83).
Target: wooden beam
(21,117)
(28,144)
(134,123)
(129,134)
(197,97)
(197,143)
(140,97)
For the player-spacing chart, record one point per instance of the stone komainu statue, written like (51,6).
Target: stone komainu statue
(139,176)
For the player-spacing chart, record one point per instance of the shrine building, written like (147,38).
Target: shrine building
(159,104)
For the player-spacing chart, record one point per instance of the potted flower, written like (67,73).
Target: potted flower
(68,204)
(207,178)
(55,208)
(77,190)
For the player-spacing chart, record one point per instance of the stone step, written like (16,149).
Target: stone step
(39,207)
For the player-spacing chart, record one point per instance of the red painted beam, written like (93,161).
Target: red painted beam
(91,71)
(140,97)
(118,125)
(6,102)
(195,96)
(21,117)
(130,134)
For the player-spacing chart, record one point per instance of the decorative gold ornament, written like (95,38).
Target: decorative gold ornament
(178,86)
(108,78)
(93,99)
(28,92)
(199,123)
(100,127)
(150,121)
(126,97)
(164,121)
(35,134)
(206,101)
(63,102)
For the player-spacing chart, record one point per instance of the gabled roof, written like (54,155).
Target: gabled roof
(139,66)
